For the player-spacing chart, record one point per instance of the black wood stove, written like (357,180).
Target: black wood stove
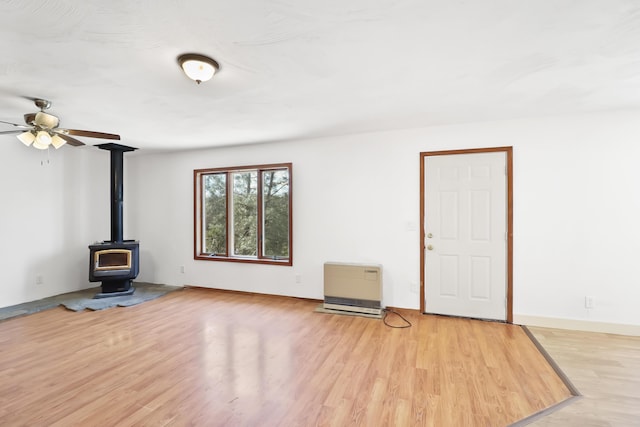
(115,262)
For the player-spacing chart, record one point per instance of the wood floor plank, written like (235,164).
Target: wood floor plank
(215,358)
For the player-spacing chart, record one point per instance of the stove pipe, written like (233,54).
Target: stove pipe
(117,181)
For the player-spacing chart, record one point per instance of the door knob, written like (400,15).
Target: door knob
(430,247)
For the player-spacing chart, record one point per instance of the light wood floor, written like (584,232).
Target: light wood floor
(211,358)
(605,369)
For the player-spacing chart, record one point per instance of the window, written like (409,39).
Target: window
(243,214)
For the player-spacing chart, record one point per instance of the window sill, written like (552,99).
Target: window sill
(283,262)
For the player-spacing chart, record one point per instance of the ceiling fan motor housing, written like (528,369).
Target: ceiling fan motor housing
(42,104)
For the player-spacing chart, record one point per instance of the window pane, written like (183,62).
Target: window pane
(275,209)
(245,213)
(215,214)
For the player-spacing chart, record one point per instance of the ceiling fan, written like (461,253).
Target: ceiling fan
(41,130)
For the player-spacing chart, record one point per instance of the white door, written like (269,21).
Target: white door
(466,235)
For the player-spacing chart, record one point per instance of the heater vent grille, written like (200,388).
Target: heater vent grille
(353,287)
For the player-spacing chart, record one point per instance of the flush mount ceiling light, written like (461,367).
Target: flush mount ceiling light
(198,67)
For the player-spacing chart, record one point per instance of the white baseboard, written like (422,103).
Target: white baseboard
(577,325)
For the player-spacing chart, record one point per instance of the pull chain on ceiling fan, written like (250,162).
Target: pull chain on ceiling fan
(41,130)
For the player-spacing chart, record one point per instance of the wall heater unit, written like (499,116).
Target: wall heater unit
(353,287)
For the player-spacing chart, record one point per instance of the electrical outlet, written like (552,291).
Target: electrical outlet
(298,278)
(414,287)
(589,302)
(39,279)
(182,269)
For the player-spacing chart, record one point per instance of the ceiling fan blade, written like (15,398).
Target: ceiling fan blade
(70,140)
(88,133)
(11,132)
(16,125)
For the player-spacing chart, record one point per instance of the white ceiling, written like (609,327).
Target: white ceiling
(294,69)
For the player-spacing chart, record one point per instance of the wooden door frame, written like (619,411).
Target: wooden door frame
(509,161)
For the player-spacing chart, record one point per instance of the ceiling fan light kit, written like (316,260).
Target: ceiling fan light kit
(41,140)
(199,68)
(39,145)
(45,120)
(57,142)
(27,138)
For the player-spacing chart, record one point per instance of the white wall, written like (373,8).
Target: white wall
(356,199)
(50,212)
